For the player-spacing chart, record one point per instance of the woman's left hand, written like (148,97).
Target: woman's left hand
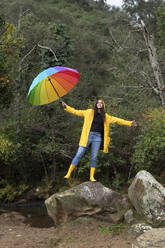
(134,124)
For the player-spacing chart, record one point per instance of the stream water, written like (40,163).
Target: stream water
(35,214)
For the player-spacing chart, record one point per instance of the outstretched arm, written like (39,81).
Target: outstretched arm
(115,120)
(73,110)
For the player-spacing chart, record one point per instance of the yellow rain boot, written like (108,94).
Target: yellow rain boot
(71,168)
(92,172)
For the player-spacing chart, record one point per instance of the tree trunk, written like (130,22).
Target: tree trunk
(155,65)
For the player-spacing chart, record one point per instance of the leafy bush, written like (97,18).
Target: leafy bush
(7,150)
(149,150)
(10,193)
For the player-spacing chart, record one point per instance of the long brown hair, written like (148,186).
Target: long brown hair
(102,112)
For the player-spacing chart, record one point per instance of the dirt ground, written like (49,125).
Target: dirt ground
(84,232)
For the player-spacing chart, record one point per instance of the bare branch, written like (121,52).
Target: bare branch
(150,83)
(64,154)
(48,48)
(119,47)
(129,35)
(25,12)
(141,51)
(27,55)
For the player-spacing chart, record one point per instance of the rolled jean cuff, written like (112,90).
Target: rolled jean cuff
(74,164)
(93,164)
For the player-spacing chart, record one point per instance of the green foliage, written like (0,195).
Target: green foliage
(149,149)
(7,151)
(9,46)
(10,43)
(10,193)
(6,91)
(161,24)
(56,37)
(115,229)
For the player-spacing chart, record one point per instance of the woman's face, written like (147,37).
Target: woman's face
(99,104)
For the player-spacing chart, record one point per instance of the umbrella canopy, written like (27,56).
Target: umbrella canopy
(51,84)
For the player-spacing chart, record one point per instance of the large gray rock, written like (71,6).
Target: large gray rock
(86,199)
(148,198)
(154,238)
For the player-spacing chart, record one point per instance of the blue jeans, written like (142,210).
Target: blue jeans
(94,140)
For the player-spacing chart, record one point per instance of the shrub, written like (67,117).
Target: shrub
(150,147)
(7,151)
(8,193)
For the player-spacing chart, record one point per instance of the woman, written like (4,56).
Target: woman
(95,132)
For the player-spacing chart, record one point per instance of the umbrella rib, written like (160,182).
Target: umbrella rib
(53,87)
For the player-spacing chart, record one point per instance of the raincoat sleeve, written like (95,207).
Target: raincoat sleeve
(75,111)
(121,122)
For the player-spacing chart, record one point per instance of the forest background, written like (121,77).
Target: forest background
(107,46)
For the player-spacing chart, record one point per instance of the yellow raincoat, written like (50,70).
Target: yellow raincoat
(88,119)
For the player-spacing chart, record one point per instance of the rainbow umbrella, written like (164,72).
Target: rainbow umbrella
(51,84)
